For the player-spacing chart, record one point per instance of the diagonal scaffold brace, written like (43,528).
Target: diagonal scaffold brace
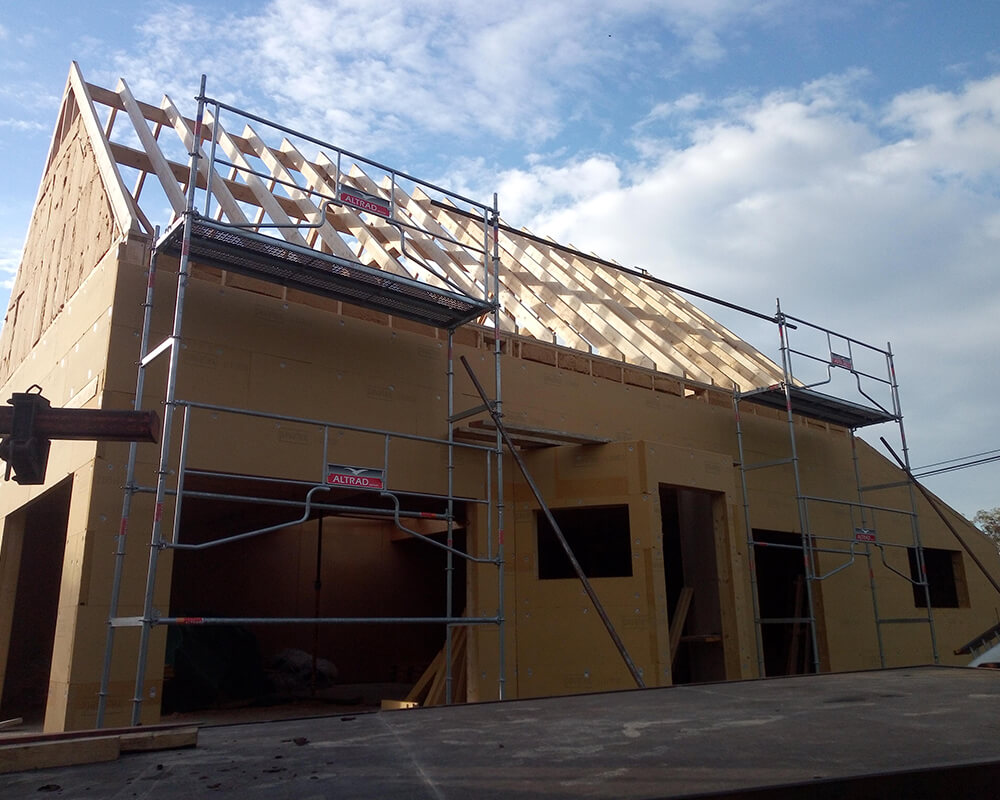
(587,587)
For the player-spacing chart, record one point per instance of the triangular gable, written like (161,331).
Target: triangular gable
(81,212)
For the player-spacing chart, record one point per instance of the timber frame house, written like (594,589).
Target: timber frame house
(311,324)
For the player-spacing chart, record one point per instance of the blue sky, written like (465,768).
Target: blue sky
(844,157)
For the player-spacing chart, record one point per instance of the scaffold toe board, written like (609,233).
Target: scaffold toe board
(308,270)
(816,405)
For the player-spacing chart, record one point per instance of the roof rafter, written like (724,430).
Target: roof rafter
(549,292)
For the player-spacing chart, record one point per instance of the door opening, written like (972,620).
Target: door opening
(781,595)
(38,530)
(692,582)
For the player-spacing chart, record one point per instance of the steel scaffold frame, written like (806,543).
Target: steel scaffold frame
(391,293)
(796,397)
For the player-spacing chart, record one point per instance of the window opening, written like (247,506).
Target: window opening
(598,536)
(945,576)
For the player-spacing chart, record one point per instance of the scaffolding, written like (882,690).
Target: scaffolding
(221,235)
(848,366)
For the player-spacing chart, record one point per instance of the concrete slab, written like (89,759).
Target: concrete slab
(916,732)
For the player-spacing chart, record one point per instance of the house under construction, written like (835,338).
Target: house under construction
(423,448)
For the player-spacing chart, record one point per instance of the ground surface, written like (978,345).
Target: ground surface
(930,731)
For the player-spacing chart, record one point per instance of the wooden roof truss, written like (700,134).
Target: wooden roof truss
(286,187)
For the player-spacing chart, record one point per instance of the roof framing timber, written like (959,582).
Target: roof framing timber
(548,291)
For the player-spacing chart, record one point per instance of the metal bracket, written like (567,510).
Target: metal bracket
(25,453)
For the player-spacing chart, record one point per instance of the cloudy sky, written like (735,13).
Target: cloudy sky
(842,156)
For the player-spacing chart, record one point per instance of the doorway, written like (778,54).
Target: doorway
(691,573)
(781,595)
(38,530)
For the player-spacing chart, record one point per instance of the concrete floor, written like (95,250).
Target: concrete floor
(916,732)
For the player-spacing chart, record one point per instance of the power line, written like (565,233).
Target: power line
(960,458)
(964,465)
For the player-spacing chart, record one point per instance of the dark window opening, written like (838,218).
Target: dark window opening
(944,572)
(598,537)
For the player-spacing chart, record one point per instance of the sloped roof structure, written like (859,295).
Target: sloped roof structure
(271,182)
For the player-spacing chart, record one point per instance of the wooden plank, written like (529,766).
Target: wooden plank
(60,753)
(668,323)
(118,196)
(24,738)
(276,162)
(588,289)
(435,695)
(678,620)
(620,314)
(524,277)
(142,741)
(11,723)
(455,263)
(562,437)
(459,670)
(578,328)
(395,705)
(528,312)
(795,634)
(264,196)
(240,192)
(113,101)
(353,224)
(423,682)
(220,191)
(174,194)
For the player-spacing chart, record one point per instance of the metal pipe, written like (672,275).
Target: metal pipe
(341,152)
(216,125)
(930,499)
(914,521)
(496,411)
(638,273)
(326,621)
(807,554)
(178,503)
(129,491)
(588,588)
(296,225)
(359,511)
(317,586)
(872,586)
(256,532)
(449,558)
(449,548)
(319,422)
(748,534)
(156,535)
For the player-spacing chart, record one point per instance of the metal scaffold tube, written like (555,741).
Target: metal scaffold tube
(881,405)
(129,493)
(185,238)
(751,555)
(808,557)
(498,415)
(557,530)
(873,587)
(156,536)
(450,558)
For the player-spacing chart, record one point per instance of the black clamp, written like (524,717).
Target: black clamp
(25,453)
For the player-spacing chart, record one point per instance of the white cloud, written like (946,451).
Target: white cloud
(23,125)
(882,223)
(521,72)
